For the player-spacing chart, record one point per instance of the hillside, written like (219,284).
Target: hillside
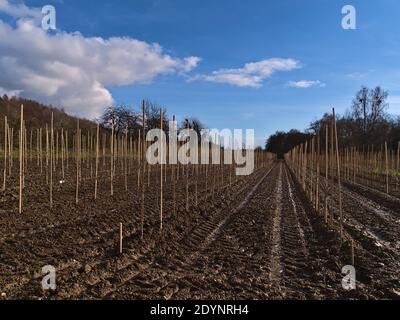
(37,115)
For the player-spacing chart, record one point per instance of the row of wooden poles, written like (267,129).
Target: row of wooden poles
(379,169)
(310,165)
(307,161)
(124,151)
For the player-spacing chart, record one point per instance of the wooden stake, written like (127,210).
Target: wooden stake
(187,173)
(174,178)
(326,209)
(62,153)
(143,168)
(318,173)
(398,165)
(125,151)
(338,173)
(21,156)
(77,160)
(387,168)
(40,150)
(5,153)
(352,251)
(97,162)
(51,159)
(47,154)
(120,239)
(161,173)
(398,157)
(112,160)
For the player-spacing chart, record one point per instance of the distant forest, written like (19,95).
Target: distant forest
(125,119)
(365,123)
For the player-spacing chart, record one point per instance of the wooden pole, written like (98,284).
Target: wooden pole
(21,156)
(97,162)
(125,151)
(338,173)
(352,251)
(5,153)
(318,173)
(143,168)
(120,239)
(161,172)
(326,155)
(47,154)
(77,161)
(112,160)
(51,159)
(62,153)
(174,179)
(67,148)
(40,150)
(11,137)
(25,153)
(31,146)
(187,172)
(397,165)
(326,209)
(139,158)
(387,168)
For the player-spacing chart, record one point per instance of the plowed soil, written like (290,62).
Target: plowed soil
(257,238)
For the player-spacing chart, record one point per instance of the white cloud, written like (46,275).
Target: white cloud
(252,74)
(73,71)
(304,84)
(18,10)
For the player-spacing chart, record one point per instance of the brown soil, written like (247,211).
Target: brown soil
(257,239)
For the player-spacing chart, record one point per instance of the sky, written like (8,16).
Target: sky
(265,65)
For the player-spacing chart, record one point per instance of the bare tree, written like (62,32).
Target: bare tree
(368,110)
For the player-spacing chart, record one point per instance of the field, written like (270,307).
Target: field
(223,237)
(116,227)
(199,157)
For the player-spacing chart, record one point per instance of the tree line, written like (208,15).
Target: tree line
(365,123)
(125,119)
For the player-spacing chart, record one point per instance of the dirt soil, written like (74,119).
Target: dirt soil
(257,238)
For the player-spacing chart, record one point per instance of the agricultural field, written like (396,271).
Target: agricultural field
(115,227)
(199,157)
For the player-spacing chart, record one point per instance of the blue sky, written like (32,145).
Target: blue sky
(228,34)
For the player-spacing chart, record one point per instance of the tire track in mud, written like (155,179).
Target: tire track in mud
(237,253)
(276,251)
(122,271)
(377,197)
(322,278)
(36,226)
(294,248)
(370,219)
(55,251)
(234,266)
(159,279)
(377,261)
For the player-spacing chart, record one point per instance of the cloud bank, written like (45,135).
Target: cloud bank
(74,71)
